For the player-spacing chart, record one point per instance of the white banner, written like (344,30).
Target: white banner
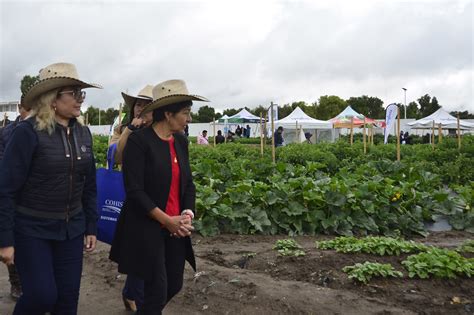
(390,117)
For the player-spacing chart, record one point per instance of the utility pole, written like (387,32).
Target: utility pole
(405,90)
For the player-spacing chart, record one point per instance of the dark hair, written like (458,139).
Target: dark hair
(219,132)
(159,113)
(204,131)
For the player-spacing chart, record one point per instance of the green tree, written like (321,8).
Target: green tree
(463,115)
(428,105)
(371,107)
(412,110)
(27,82)
(259,110)
(329,106)
(206,114)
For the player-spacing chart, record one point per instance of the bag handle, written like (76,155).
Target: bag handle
(111,156)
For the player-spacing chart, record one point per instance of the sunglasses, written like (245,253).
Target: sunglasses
(77,94)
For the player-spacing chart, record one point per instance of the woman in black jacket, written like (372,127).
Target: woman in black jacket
(48,204)
(152,237)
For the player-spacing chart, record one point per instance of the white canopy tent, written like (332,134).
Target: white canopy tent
(298,123)
(442,117)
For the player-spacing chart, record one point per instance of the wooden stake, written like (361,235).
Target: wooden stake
(273,135)
(363,139)
(214,130)
(261,134)
(459,133)
(432,135)
(120,115)
(398,133)
(440,133)
(352,130)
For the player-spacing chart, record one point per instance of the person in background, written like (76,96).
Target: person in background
(407,138)
(230,136)
(135,120)
(48,207)
(132,292)
(202,139)
(238,131)
(219,138)
(152,238)
(5,134)
(186,131)
(279,141)
(247,132)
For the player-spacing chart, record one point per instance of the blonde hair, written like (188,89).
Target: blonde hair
(44,112)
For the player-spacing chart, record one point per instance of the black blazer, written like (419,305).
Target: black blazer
(147,179)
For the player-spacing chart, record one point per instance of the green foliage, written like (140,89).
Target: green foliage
(372,245)
(466,247)
(288,247)
(440,263)
(366,271)
(27,82)
(100,146)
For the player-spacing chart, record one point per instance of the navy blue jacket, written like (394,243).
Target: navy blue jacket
(47,183)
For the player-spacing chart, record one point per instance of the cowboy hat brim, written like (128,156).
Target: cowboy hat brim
(130,99)
(49,84)
(172,99)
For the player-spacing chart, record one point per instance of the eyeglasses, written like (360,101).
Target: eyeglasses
(77,94)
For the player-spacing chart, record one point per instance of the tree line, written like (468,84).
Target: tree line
(326,107)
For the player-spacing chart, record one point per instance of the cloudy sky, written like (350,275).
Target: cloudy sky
(248,53)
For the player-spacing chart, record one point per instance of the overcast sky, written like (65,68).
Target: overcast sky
(248,53)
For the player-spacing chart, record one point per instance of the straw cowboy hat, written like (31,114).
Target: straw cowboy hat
(145,94)
(52,77)
(170,92)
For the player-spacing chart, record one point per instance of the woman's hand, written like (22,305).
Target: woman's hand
(90,242)
(179,226)
(137,122)
(7,255)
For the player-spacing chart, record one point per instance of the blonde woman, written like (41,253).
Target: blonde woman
(48,209)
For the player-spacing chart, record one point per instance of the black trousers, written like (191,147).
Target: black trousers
(167,280)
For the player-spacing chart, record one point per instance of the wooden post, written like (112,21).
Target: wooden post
(398,133)
(87,119)
(459,133)
(299,132)
(265,118)
(273,135)
(120,115)
(440,133)
(214,130)
(4,119)
(363,139)
(352,130)
(432,135)
(261,134)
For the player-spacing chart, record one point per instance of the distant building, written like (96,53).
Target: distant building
(8,112)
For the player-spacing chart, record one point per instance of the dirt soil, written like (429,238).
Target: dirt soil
(244,275)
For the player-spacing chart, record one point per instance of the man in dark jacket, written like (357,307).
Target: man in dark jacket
(219,138)
(5,133)
(279,137)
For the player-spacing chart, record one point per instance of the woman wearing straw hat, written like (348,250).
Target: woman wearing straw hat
(132,293)
(135,121)
(48,205)
(152,237)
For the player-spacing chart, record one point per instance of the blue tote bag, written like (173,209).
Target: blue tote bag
(110,198)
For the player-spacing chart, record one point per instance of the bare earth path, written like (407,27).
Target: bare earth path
(243,275)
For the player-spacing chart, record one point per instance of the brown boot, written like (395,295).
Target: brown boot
(15,289)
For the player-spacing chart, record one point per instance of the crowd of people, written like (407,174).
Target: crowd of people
(48,209)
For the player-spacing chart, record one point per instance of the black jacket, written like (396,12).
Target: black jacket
(147,179)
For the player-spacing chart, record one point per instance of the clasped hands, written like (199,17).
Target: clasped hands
(180,226)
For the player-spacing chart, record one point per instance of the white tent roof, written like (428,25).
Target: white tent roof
(298,116)
(442,117)
(347,113)
(244,114)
